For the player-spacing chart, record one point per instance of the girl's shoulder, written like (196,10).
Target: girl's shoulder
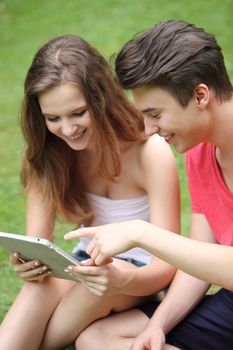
(155,148)
(154,151)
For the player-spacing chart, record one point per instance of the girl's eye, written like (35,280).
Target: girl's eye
(52,119)
(80,114)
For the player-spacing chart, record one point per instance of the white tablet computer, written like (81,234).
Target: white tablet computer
(35,248)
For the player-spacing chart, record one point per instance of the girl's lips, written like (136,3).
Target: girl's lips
(77,136)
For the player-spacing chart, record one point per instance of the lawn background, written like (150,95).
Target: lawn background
(25,25)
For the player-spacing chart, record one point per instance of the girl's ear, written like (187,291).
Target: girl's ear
(202,95)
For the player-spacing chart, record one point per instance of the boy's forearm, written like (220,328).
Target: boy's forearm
(191,256)
(183,295)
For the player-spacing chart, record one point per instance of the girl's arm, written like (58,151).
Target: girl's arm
(160,179)
(39,222)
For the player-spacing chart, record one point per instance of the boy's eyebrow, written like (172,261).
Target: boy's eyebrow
(149,109)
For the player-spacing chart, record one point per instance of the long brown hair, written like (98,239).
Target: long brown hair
(48,161)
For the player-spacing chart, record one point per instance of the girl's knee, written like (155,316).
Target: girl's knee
(91,338)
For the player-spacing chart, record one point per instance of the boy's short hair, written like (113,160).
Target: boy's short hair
(176,56)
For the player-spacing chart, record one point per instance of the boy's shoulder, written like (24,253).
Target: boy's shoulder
(200,159)
(200,152)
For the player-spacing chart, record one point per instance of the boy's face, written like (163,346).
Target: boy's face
(182,127)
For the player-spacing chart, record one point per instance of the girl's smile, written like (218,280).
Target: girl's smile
(67,116)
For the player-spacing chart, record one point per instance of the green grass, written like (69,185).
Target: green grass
(106,24)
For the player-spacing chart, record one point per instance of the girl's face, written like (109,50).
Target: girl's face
(67,116)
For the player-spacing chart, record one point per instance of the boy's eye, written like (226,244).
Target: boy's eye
(155,116)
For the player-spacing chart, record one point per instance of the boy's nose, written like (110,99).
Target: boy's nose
(150,127)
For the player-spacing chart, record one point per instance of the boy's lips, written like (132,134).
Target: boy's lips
(168,138)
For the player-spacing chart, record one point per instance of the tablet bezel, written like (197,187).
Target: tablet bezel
(36,248)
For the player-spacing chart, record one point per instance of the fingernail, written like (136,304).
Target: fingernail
(88,262)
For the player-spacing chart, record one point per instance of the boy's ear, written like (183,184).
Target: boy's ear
(202,95)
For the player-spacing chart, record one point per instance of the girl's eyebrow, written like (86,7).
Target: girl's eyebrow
(49,115)
(72,112)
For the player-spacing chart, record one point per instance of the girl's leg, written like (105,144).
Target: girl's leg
(115,332)
(78,309)
(27,318)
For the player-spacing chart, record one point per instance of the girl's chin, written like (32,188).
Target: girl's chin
(76,147)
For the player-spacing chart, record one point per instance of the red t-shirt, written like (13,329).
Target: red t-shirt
(209,194)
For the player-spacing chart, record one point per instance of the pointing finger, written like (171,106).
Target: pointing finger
(81,232)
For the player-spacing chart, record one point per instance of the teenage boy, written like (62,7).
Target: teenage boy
(178,79)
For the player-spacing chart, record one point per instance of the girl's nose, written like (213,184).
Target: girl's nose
(68,128)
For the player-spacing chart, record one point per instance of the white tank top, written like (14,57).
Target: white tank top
(108,210)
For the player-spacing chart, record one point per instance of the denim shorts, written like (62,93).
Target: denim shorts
(82,255)
(208,327)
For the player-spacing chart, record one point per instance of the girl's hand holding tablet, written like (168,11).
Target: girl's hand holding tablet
(29,271)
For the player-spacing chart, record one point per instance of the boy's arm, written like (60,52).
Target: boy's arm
(210,262)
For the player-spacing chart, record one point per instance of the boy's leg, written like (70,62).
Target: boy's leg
(209,326)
